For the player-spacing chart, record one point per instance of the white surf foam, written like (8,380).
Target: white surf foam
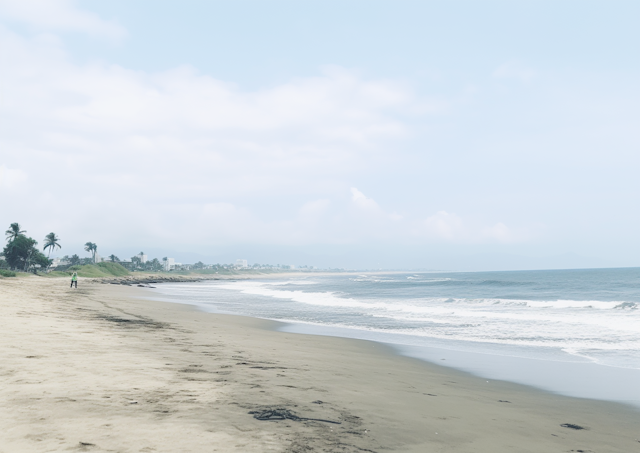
(596,330)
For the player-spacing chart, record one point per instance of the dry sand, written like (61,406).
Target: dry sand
(95,369)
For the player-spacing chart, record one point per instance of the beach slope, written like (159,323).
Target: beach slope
(101,368)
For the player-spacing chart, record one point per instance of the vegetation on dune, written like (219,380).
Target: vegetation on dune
(54,274)
(21,252)
(22,255)
(14,231)
(104,269)
(113,268)
(51,242)
(153,265)
(92,248)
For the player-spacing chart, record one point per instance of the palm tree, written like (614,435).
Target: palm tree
(92,248)
(51,242)
(14,231)
(114,258)
(155,264)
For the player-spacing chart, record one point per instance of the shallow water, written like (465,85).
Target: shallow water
(582,327)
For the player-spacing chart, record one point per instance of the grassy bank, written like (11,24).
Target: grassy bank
(93,270)
(6,273)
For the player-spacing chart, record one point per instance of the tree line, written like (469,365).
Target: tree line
(21,252)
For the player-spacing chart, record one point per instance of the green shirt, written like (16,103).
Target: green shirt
(74,277)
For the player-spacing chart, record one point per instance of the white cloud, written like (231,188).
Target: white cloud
(369,205)
(11,178)
(182,101)
(224,219)
(186,158)
(444,225)
(514,70)
(503,234)
(183,106)
(362,202)
(500,232)
(452,228)
(313,211)
(59,15)
(198,147)
(161,124)
(366,220)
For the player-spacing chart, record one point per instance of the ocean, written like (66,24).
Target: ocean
(575,332)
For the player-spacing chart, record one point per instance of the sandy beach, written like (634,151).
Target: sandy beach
(101,368)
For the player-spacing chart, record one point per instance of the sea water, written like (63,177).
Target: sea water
(575,332)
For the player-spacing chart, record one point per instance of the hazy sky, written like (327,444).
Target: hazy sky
(446,135)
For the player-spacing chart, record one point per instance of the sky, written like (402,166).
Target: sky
(452,135)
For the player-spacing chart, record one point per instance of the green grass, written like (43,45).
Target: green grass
(6,273)
(98,270)
(114,269)
(56,274)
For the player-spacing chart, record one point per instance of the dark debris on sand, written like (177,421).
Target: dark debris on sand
(285,414)
(137,322)
(572,426)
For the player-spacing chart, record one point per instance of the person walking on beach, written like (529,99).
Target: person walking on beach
(74,279)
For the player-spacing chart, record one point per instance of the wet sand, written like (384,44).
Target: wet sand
(98,369)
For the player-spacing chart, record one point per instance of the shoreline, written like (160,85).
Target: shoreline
(100,370)
(571,378)
(150,278)
(551,370)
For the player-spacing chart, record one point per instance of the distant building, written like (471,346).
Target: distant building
(143,258)
(242,264)
(169,264)
(98,258)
